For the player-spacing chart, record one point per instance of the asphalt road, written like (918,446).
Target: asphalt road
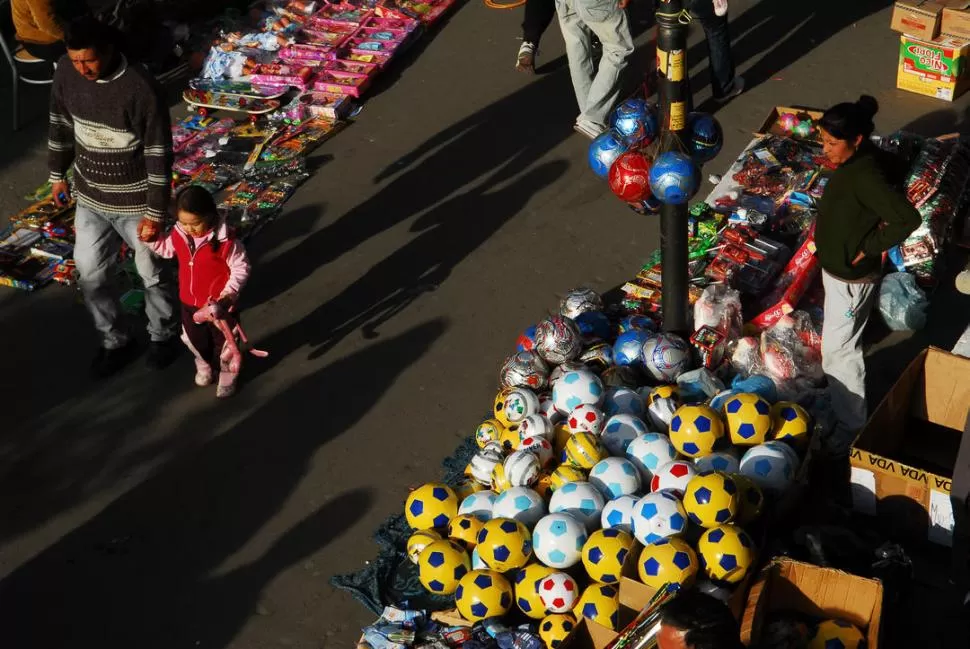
(140,512)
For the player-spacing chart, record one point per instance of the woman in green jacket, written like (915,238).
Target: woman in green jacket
(861,215)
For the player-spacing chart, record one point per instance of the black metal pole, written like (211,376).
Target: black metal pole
(673,95)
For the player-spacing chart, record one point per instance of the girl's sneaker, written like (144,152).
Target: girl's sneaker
(227,384)
(525,60)
(203,373)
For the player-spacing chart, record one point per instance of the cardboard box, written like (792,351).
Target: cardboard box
(770,125)
(922,18)
(901,463)
(956,22)
(821,593)
(935,68)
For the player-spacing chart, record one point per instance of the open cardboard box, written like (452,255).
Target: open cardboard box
(770,125)
(922,18)
(902,462)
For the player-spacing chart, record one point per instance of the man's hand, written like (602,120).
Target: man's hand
(148,230)
(859,257)
(624,3)
(61,193)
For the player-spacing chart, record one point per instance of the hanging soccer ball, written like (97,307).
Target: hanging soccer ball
(604,554)
(525,370)
(441,565)
(581,500)
(418,541)
(704,137)
(672,476)
(634,122)
(751,500)
(790,423)
(603,152)
(527,589)
(483,594)
(554,629)
(695,430)
(558,592)
(649,452)
(727,461)
(748,418)
(575,388)
(837,634)
(622,401)
(628,347)
(585,419)
(769,467)
(615,477)
(504,544)
(674,178)
(668,561)
(727,553)
(666,356)
(478,504)
(658,516)
(564,474)
(558,340)
(583,450)
(711,499)
(558,540)
(540,447)
(600,604)
(619,431)
(578,301)
(630,177)
(618,514)
(431,505)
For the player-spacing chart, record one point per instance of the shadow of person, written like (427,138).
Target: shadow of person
(142,572)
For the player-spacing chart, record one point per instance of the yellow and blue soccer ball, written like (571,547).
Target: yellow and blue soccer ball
(727,553)
(711,499)
(668,561)
(418,541)
(482,594)
(489,430)
(527,589)
(837,634)
(790,423)
(600,604)
(663,392)
(564,474)
(604,554)
(441,565)
(555,628)
(500,481)
(431,505)
(695,430)
(504,544)
(584,450)
(498,412)
(467,487)
(751,500)
(748,418)
(464,529)
(510,438)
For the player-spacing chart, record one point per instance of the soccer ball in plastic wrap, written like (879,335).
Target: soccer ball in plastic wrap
(463,529)
(555,628)
(619,431)
(661,412)
(748,418)
(564,474)
(649,452)
(695,430)
(441,565)
(483,594)
(575,388)
(511,438)
(751,500)
(536,427)
(519,404)
(504,544)
(540,447)
(500,483)
(711,499)
(634,122)
(522,468)
(628,347)
(598,357)
(615,477)
(431,505)
(666,356)
(527,589)
(603,152)
(489,430)
(630,177)
(600,603)
(662,392)
(593,325)
(727,461)
(543,485)
(478,504)
(524,370)
(527,340)
(790,423)
(418,541)
(498,408)
(578,301)
(636,322)
(560,370)
(673,476)
(466,487)
(622,401)
(604,554)
(521,504)
(674,178)
(585,419)
(704,137)
(483,464)
(837,634)
(768,467)
(558,340)
(618,514)
(583,450)
(547,408)
(558,540)
(581,500)
(558,592)
(658,516)
(668,561)
(727,553)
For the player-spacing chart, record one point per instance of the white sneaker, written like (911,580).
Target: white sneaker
(736,89)
(589,129)
(525,60)
(203,374)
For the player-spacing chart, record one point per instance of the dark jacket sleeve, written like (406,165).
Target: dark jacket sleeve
(60,136)
(157,138)
(889,204)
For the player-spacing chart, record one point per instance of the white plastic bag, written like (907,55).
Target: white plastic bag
(902,303)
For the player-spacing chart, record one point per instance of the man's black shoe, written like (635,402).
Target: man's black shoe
(109,361)
(162,353)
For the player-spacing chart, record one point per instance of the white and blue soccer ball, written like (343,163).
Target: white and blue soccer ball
(665,357)
(649,452)
(769,467)
(558,540)
(479,504)
(727,461)
(618,514)
(581,500)
(477,562)
(577,388)
(521,504)
(619,431)
(658,516)
(615,477)
(788,450)
(623,401)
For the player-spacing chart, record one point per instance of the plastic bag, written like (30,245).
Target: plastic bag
(902,303)
(719,307)
(697,386)
(746,359)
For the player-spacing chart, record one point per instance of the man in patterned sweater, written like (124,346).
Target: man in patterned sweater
(109,120)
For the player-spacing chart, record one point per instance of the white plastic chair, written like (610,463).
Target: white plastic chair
(15,77)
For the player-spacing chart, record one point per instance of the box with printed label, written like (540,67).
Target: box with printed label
(956,22)
(936,68)
(921,18)
(902,462)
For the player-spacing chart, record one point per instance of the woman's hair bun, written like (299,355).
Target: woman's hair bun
(868,106)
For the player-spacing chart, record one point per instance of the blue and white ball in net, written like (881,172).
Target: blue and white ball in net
(618,514)
(634,122)
(619,431)
(674,178)
(649,452)
(581,500)
(628,348)
(665,357)
(521,504)
(603,152)
(615,477)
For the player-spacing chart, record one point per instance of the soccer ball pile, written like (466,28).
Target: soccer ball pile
(590,465)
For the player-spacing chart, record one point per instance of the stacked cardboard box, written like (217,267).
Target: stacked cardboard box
(933,47)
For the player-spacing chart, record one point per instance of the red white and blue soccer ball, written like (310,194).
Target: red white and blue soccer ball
(673,476)
(618,514)
(615,477)
(619,431)
(649,452)
(634,122)
(674,178)
(657,516)
(666,356)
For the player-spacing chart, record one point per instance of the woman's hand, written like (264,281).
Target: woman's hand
(858,258)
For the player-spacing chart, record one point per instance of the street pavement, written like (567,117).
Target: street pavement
(139,512)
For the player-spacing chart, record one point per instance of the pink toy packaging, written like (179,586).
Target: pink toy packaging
(345,83)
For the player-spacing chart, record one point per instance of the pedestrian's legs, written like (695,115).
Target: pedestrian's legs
(96,248)
(538,17)
(718,40)
(847,308)
(160,305)
(609,23)
(578,50)
(198,338)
